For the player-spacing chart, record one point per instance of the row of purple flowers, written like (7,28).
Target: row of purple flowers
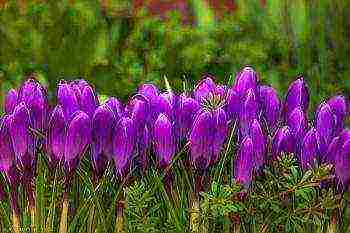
(162,122)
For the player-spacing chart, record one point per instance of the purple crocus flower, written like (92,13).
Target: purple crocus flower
(282,142)
(67,99)
(77,140)
(309,149)
(35,97)
(233,104)
(11,99)
(259,143)
(150,91)
(297,124)
(164,142)
(56,136)
(339,107)
(139,109)
(124,142)
(88,100)
(187,111)
(297,96)
(206,138)
(244,162)
(332,150)
(22,140)
(103,122)
(246,79)
(325,126)
(249,112)
(7,155)
(270,105)
(204,88)
(343,165)
(116,106)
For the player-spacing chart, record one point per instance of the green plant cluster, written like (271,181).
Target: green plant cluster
(116,48)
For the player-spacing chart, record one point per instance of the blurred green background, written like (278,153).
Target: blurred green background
(118,44)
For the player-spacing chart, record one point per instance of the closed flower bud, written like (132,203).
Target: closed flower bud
(116,106)
(88,101)
(343,165)
(297,123)
(200,140)
(220,125)
(124,142)
(102,124)
(233,104)
(244,163)
(204,88)
(309,149)
(246,79)
(139,110)
(7,154)
(150,91)
(270,105)
(56,135)
(67,99)
(282,142)
(77,140)
(325,126)
(339,107)
(35,97)
(11,99)
(259,143)
(249,112)
(297,96)
(22,140)
(164,140)
(187,111)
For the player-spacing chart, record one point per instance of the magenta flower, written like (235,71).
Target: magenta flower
(282,142)
(11,99)
(164,141)
(249,112)
(244,163)
(342,165)
(309,149)
(270,106)
(7,155)
(124,142)
(297,96)
(325,126)
(187,111)
(340,108)
(259,144)
(246,79)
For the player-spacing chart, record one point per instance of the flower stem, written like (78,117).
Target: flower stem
(119,223)
(333,224)
(32,210)
(194,214)
(15,222)
(64,214)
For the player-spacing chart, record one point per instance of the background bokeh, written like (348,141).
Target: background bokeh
(118,44)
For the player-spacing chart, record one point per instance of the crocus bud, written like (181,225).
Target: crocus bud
(309,149)
(297,96)
(144,144)
(244,163)
(249,111)
(259,143)
(187,111)
(11,99)
(270,105)
(339,107)
(343,165)
(164,140)
(116,106)
(88,100)
(150,91)
(67,99)
(204,88)
(200,140)
(7,154)
(298,125)
(246,79)
(325,126)
(139,111)
(35,97)
(56,136)
(22,140)
(332,150)
(282,142)
(164,105)
(220,125)
(233,104)
(102,124)
(123,141)
(77,140)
